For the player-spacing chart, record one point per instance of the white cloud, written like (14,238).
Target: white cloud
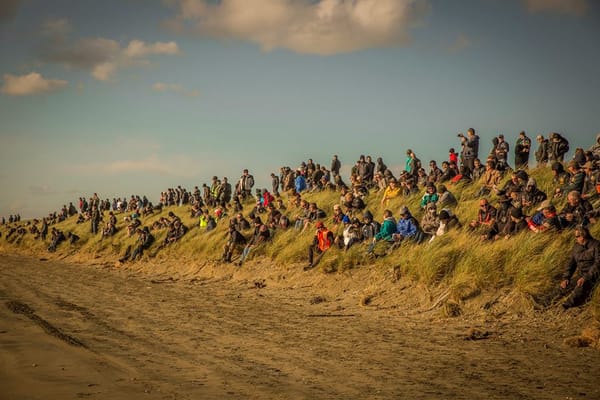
(137,48)
(30,84)
(176,88)
(575,7)
(101,56)
(305,26)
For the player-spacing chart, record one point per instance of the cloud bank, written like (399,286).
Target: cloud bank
(30,84)
(323,27)
(574,7)
(175,88)
(101,56)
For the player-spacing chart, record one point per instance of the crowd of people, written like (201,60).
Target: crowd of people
(519,205)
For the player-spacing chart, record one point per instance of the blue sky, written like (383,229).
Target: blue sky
(132,97)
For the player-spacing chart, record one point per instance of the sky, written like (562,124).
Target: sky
(125,97)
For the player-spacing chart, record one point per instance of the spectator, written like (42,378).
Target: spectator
(470,147)
(581,272)
(541,154)
(235,242)
(322,241)
(486,219)
(558,147)
(522,149)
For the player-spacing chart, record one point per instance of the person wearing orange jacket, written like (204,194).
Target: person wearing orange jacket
(322,241)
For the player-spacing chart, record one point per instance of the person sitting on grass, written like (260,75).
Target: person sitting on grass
(430,196)
(350,235)
(369,227)
(57,238)
(235,242)
(407,228)
(486,219)
(515,224)
(545,220)
(582,270)
(430,221)
(445,197)
(145,240)
(532,195)
(392,191)
(388,228)
(176,232)
(447,221)
(322,241)
(576,212)
(261,236)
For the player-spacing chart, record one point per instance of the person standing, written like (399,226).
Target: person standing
(522,149)
(470,148)
(541,154)
(95,219)
(245,185)
(275,184)
(335,166)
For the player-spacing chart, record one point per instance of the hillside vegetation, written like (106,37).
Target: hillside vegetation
(526,266)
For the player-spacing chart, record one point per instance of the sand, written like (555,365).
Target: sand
(189,330)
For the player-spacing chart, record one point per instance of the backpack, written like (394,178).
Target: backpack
(563,146)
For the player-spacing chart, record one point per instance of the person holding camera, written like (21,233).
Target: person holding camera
(470,148)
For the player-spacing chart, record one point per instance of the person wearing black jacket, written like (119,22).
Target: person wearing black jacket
(581,272)
(335,166)
(236,241)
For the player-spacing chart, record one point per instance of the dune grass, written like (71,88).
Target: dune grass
(528,263)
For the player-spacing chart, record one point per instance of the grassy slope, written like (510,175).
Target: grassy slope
(526,265)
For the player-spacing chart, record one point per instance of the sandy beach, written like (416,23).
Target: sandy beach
(99,331)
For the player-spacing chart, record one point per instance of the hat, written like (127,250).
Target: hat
(531,182)
(404,210)
(545,204)
(319,224)
(516,212)
(573,164)
(346,219)
(522,175)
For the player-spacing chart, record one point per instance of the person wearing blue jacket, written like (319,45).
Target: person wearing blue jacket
(300,183)
(407,228)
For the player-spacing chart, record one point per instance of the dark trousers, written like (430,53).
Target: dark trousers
(311,251)
(578,294)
